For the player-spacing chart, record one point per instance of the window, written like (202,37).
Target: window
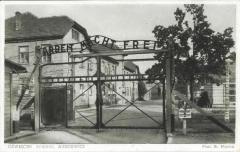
(106,69)
(109,69)
(114,87)
(104,90)
(75,35)
(46,58)
(232,99)
(24,54)
(81,65)
(90,91)
(232,92)
(81,86)
(90,67)
(114,69)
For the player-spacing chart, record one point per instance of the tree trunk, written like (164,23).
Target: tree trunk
(191,89)
(163,104)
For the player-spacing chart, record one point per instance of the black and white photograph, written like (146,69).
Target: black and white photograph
(93,73)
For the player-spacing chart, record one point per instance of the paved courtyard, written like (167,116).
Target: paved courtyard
(200,130)
(51,137)
(149,115)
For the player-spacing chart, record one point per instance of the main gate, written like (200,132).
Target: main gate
(100,115)
(119,111)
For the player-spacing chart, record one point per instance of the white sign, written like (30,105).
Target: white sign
(185,113)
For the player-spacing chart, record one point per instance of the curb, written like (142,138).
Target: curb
(75,134)
(18,137)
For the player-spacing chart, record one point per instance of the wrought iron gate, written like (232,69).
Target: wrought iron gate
(98,80)
(101,116)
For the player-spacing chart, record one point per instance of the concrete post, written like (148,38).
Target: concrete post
(37,90)
(185,126)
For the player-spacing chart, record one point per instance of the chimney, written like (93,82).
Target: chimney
(18,22)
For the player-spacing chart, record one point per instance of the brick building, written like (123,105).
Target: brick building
(25,31)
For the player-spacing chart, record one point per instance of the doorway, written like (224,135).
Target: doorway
(53,105)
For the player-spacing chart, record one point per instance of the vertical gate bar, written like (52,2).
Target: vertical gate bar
(169,93)
(100,94)
(99,97)
(172,87)
(36,89)
(96,102)
(40,96)
(66,106)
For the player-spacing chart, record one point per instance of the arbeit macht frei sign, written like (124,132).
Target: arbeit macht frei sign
(102,40)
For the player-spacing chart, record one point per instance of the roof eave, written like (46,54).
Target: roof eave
(80,28)
(128,69)
(30,39)
(110,59)
(17,68)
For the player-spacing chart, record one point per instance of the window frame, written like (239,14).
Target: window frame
(90,65)
(19,54)
(90,92)
(81,65)
(77,35)
(47,56)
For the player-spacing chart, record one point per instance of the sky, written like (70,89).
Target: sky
(126,21)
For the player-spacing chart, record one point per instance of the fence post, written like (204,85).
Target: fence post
(99,95)
(184,126)
(37,91)
(66,105)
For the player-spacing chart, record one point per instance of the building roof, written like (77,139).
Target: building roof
(130,66)
(15,67)
(34,28)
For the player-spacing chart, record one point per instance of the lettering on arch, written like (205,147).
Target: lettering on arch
(104,41)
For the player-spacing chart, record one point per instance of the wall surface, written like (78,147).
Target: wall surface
(7,104)
(12,53)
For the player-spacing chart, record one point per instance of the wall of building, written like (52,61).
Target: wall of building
(218,94)
(7,104)
(68,37)
(12,53)
(130,88)
(82,69)
(87,99)
(89,68)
